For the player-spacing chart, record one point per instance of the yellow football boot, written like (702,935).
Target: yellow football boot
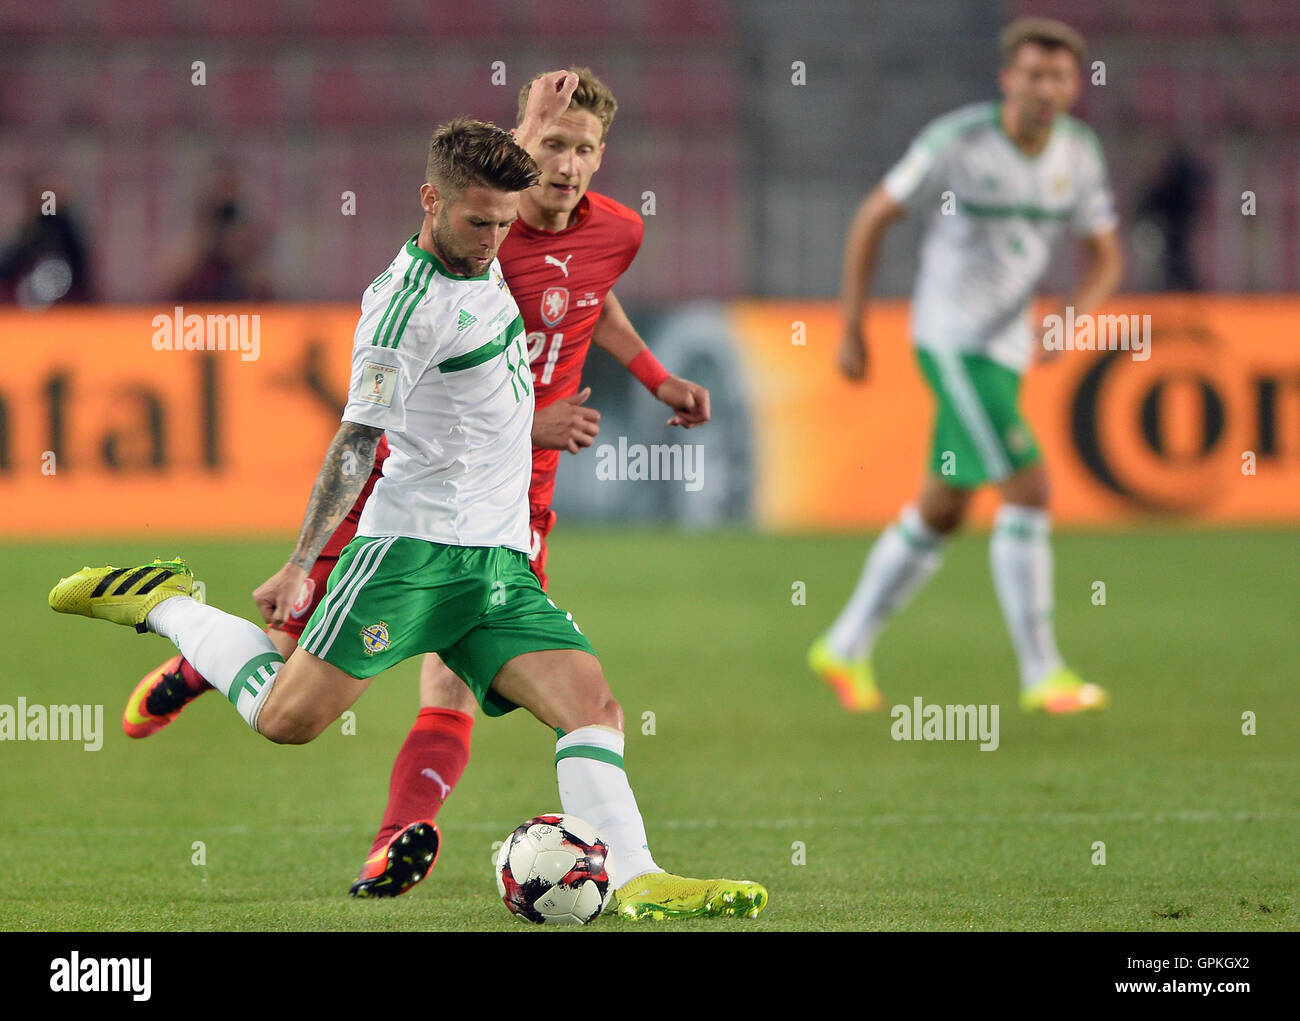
(1063,691)
(660,896)
(852,680)
(124,595)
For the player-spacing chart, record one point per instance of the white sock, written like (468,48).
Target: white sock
(594,787)
(903,559)
(234,655)
(1020,551)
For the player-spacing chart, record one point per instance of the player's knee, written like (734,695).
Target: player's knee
(943,507)
(944,516)
(609,713)
(1029,488)
(283,732)
(598,708)
(1042,490)
(946,521)
(282,727)
(1038,496)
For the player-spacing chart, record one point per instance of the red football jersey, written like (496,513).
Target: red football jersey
(559,280)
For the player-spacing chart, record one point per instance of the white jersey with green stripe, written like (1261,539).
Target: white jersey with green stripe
(995,215)
(440,364)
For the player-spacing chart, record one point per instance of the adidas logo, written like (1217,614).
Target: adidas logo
(465,321)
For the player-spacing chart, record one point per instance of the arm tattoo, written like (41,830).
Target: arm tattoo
(347,465)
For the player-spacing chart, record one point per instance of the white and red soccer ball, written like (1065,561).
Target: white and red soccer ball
(551,870)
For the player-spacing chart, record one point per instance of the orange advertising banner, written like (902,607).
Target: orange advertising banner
(119,421)
(1205,423)
(109,424)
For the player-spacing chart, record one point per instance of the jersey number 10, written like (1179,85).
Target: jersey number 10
(537,341)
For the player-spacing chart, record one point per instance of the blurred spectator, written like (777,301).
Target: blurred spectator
(221,260)
(1169,205)
(46,260)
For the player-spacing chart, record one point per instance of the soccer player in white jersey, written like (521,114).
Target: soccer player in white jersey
(1016,176)
(440,559)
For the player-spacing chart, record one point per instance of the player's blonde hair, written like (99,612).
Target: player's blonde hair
(1045,32)
(592,95)
(465,152)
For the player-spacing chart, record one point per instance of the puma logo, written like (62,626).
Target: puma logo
(563,267)
(445,788)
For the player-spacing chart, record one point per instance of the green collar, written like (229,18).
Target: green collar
(416,252)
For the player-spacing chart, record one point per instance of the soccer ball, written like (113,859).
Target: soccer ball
(552,870)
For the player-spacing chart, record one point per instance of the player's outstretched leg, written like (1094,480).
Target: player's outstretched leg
(903,559)
(566,689)
(233,654)
(428,767)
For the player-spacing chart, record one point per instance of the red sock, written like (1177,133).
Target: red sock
(194,680)
(438,744)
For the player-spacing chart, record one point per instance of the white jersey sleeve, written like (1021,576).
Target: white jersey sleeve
(917,180)
(1094,212)
(920,178)
(391,349)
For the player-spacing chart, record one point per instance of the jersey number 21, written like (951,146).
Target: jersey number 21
(537,341)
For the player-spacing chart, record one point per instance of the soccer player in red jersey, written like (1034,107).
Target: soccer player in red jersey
(560,260)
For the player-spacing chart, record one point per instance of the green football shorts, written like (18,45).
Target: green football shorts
(394,597)
(979,434)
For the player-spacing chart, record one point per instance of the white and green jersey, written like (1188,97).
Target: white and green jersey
(995,216)
(439,363)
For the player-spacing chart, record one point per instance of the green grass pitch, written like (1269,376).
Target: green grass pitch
(751,770)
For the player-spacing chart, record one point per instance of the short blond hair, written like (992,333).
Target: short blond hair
(592,95)
(1045,32)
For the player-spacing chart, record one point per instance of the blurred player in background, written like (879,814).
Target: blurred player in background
(560,260)
(1015,175)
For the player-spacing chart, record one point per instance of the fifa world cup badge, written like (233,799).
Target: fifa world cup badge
(379,382)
